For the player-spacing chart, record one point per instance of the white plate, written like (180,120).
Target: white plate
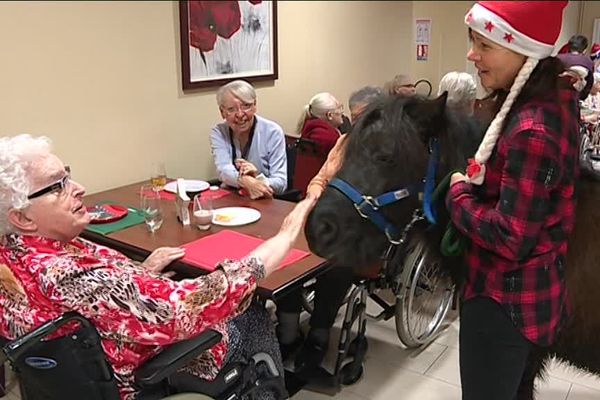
(191,185)
(237,216)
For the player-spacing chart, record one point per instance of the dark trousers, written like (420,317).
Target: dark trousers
(496,361)
(330,290)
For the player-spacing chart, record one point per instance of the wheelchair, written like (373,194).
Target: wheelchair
(589,150)
(74,367)
(423,294)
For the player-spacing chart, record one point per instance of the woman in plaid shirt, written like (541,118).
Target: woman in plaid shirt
(517,202)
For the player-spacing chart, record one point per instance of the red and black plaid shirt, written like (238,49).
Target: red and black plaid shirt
(519,220)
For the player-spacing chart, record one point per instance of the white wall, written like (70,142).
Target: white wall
(102,79)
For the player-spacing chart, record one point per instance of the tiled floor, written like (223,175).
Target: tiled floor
(392,372)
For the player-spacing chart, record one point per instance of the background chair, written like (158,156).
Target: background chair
(307,160)
(74,367)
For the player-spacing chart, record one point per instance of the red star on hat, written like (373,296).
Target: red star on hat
(489,26)
(469,18)
(508,37)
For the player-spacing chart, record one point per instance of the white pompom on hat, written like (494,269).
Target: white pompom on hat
(530,28)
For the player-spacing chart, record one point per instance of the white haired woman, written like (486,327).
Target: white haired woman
(46,270)
(461,89)
(320,120)
(516,204)
(248,150)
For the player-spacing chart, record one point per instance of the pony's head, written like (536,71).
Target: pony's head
(388,151)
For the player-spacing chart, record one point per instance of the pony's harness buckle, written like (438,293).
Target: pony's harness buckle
(365,207)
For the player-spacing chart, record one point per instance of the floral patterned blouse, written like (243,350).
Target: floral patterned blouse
(136,312)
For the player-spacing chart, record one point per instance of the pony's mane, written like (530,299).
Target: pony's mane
(396,131)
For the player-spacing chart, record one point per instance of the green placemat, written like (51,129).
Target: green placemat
(133,217)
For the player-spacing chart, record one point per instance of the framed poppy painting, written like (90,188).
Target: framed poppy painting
(226,40)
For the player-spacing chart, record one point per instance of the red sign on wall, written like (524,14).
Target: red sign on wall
(422,52)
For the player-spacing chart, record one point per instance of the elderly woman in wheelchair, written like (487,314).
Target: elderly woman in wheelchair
(46,270)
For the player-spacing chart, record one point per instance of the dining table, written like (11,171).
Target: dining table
(138,242)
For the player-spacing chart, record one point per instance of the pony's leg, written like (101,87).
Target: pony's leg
(533,369)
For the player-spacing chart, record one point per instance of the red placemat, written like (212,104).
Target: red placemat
(207,252)
(215,194)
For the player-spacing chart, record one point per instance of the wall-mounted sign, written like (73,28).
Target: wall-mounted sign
(422,52)
(422,31)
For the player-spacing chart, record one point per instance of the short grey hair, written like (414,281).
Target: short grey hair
(239,89)
(461,89)
(398,81)
(17,154)
(364,95)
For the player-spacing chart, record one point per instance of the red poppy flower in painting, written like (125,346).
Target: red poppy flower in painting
(211,18)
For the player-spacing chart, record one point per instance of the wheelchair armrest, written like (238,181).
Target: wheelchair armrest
(172,358)
(14,349)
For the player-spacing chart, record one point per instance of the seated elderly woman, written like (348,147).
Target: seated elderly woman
(461,89)
(320,120)
(248,150)
(47,270)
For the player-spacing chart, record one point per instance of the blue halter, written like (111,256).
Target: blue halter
(369,207)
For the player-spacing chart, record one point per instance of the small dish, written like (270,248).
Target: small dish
(105,213)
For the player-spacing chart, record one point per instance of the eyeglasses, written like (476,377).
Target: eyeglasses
(57,187)
(244,107)
(338,110)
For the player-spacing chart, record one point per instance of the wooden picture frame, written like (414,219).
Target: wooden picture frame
(226,40)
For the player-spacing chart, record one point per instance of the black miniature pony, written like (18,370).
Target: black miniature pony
(389,151)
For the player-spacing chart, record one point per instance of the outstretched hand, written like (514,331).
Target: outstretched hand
(273,251)
(293,223)
(160,258)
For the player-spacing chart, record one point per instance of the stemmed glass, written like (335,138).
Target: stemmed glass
(151,207)
(202,212)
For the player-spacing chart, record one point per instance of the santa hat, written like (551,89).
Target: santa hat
(530,28)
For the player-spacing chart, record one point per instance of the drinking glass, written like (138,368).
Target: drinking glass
(202,212)
(151,207)
(159,177)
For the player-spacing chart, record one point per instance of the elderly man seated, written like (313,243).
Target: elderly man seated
(248,150)
(47,270)
(401,85)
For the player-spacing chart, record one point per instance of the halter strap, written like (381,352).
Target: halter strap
(368,206)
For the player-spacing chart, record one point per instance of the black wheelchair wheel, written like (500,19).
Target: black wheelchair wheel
(424,298)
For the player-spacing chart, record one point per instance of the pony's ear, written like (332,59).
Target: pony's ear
(439,103)
(429,115)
